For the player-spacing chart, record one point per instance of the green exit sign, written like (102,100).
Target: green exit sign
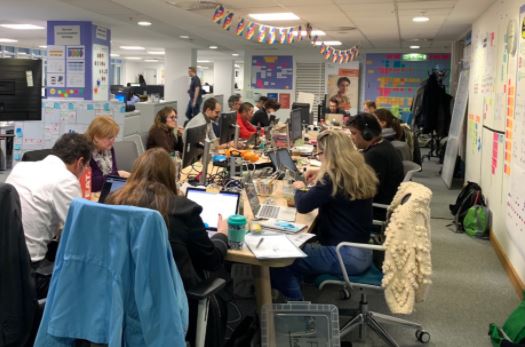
(414,57)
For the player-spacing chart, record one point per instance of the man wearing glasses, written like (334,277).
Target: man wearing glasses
(210,112)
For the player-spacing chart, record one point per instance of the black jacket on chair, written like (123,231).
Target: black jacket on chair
(18,303)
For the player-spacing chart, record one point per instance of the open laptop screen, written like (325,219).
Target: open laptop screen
(225,203)
(111,184)
(282,159)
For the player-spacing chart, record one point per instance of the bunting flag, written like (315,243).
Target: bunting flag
(272,35)
(355,51)
(250,30)
(347,56)
(341,57)
(262,34)
(290,36)
(335,56)
(218,14)
(323,48)
(299,33)
(328,53)
(240,27)
(226,24)
(282,35)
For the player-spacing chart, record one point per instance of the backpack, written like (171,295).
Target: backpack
(469,196)
(513,330)
(477,222)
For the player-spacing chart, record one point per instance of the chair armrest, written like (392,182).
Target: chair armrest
(378,223)
(383,206)
(206,288)
(359,245)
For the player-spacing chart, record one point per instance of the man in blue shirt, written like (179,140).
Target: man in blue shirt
(195,93)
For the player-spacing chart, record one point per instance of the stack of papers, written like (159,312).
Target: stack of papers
(281,225)
(272,247)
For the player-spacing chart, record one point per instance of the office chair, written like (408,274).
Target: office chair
(409,169)
(36,155)
(407,197)
(137,139)
(402,149)
(126,152)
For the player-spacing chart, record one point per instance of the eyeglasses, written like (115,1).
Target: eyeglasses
(172,117)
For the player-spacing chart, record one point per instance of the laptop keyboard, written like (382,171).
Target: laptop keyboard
(268,211)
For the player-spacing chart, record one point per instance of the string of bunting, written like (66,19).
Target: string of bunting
(288,35)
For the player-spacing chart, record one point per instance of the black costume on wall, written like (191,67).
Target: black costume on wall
(431,107)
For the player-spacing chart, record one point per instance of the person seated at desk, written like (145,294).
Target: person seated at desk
(152,185)
(164,132)
(390,125)
(102,132)
(46,189)
(369,106)
(210,112)
(234,102)
(131,98)
(343,189)
(380,155)
(244,116)
(260,102)
(261,118)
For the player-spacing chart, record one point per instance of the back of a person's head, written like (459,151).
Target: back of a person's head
(370,104)
(272,104)
(209,104)
(152,183)
(390,121)
(345,166)
(363,121)
(72,146)
(102,127)
(233,99)
(262,99)
(245,107)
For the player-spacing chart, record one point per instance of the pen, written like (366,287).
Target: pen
(259,243)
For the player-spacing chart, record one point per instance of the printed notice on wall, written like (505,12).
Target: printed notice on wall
(76,66)
(67,35)
(100,72)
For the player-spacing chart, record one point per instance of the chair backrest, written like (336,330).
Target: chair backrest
(409,168)
(126,152)
(115,266)
(137,139)
(36,155)
(402,149)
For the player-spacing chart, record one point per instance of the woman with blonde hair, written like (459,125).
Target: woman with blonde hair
(343,188)
(102,133)
(152,185)
(164,132)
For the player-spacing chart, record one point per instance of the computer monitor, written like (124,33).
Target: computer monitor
(213,204)
(121,96)
(227,123)
(21,89)
(306,116)
(295,126)
(206,89)
(194,145)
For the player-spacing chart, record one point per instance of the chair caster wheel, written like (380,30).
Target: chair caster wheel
(344,294)
(423,336)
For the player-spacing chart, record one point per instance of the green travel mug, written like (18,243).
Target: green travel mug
(236,231)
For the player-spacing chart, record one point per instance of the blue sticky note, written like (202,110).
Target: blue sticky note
(17,156)
(71,106)
(17,147)
(106,107)
(90,107)
(56,106)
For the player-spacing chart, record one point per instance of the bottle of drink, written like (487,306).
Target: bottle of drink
(85,183)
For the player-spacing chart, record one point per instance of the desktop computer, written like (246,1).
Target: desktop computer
(295,125)
(227,125)
(306,116)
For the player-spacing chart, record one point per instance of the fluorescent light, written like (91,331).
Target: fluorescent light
(237,66)
(114,55)
(333,43)
(420,19)
(22,26)
(156,52)
(133,58)
(313,33)
(22,53)
(235,54)
(151,60)
(203,61)
(132,48)
(8,40)
(43,46)
(202,67)
(144,23)
(213,47)
(415,47)
(274,16)
(185,37)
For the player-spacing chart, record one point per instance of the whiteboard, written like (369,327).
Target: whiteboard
(456,128)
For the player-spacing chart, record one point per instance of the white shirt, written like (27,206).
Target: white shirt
(197,121)
(46,189)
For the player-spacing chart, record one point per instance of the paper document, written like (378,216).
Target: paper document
(272,247)
(287,227)
(300,239)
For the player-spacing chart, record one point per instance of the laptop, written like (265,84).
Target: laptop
(111,184)
(267,211)
(212,203)
(334,118)
(282,160)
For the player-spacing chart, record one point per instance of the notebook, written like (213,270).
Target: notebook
(111,184)
(213,203)
(273,247)
(267,211)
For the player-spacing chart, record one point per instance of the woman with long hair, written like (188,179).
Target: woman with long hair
(152,185)
(164,132)
(390,125)
(343,188)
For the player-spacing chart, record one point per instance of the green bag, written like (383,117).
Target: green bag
(513,330)
(477,222)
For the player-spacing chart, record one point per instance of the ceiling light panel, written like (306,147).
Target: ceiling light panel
(132,48)
(22,26)
(277,16)
(4,40)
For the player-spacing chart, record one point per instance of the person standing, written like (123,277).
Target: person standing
(195,93)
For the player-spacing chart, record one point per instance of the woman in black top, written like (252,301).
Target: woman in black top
(164,132)
(152,185)
(261,118)
(343,188)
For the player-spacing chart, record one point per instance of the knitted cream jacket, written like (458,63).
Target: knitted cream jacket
(407,267)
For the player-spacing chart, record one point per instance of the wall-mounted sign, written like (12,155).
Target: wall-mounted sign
(67,35)
(414,57)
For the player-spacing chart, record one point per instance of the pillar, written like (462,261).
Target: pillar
(177,80)
(223,78)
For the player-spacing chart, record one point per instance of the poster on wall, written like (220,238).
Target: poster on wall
(100,72)
(342,83)
(272,72)
(76,66)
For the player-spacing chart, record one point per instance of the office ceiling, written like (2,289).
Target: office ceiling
(371,24)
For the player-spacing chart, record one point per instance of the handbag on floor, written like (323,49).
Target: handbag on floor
(513,331)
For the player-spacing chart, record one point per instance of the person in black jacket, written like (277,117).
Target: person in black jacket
(261,118)
(152,185)
(342,190)
(164,132)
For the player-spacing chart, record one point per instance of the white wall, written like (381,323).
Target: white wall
(490,107)
(131,70)
(207,76)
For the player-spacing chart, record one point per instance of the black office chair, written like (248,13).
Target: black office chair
(36,155)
